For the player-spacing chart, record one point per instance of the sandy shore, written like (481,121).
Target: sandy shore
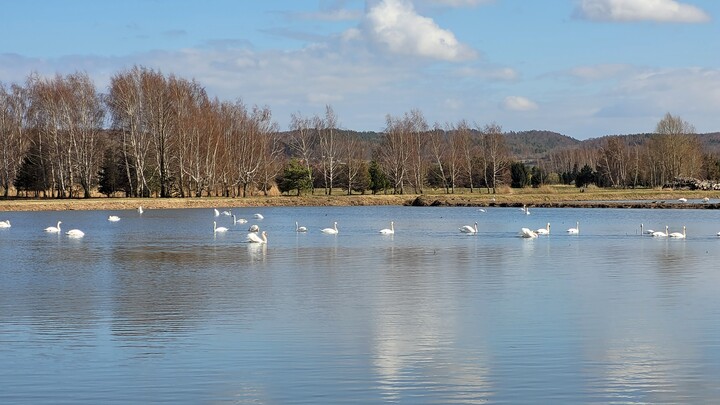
(598,199)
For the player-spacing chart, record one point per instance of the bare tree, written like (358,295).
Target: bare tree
(126,104)
(394,153)
(188,100)
(327,129)
(303,142)
(13,141)
(438,145)
(352,154)
(674,149)
(417,129)
(466,147)
(85,116)
(495,153)
(270,148)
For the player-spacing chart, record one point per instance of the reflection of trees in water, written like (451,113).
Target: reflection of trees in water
(417,308)
(62,292)
(162,291)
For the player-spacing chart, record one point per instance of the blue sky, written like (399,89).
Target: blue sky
(585,68)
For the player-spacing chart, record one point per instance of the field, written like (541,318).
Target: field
(547,196)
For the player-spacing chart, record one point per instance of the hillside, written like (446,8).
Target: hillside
(531,145)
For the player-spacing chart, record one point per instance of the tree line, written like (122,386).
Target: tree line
(152,134)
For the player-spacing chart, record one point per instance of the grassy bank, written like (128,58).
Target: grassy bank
(548,196)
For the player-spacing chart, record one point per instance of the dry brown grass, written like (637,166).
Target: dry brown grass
(544,196)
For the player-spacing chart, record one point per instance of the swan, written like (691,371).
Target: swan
(113,218)
(227,213)
(140,210)
(54,229)
(254,228)
(75,233)
(648,232)
(682,199)
(660,234)
(331,231)
(218,228)
(527,233)
(253,238)
(544,231)
(718,234)
(390,231)
(481,210)
(299,228)
(678,234)
(469,229)
(217,213)
(706,199)
(5,224)
(575,230)
(239,221)
(258,216)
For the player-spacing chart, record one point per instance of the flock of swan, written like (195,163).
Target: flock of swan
(255,236)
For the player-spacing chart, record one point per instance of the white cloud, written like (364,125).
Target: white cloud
(641,10)
(489,73)
(460,3)
(395,26)
(599,72)
(339,14)
(518,103)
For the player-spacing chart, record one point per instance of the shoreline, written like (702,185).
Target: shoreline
(650,200)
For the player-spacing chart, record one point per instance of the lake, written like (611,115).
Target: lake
(156,308)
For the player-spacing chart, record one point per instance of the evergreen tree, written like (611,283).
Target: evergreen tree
(538,176)
(362,179)
(32,173)
(519,176)
(378,179)
(585,177)
(295,176)
(112,176)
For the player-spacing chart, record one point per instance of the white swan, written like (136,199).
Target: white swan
(54,229)
(140,210)
(644,232)
(227,213)
(253,238)
(217,213)
(706,199)
(254,228)
(331,231)
(390,231)
(481,209)
(258,216)
(75,233)
(544,231)
(218,228)
(299,228)
(239,221)
(575,230)
(469,229)
(5,224)
(661,234)
(678,234)
(682,199)
(528,233)
(113,218)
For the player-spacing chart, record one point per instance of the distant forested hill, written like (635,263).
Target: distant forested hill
(528,145)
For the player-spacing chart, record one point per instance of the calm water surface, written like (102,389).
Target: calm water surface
(157,309)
